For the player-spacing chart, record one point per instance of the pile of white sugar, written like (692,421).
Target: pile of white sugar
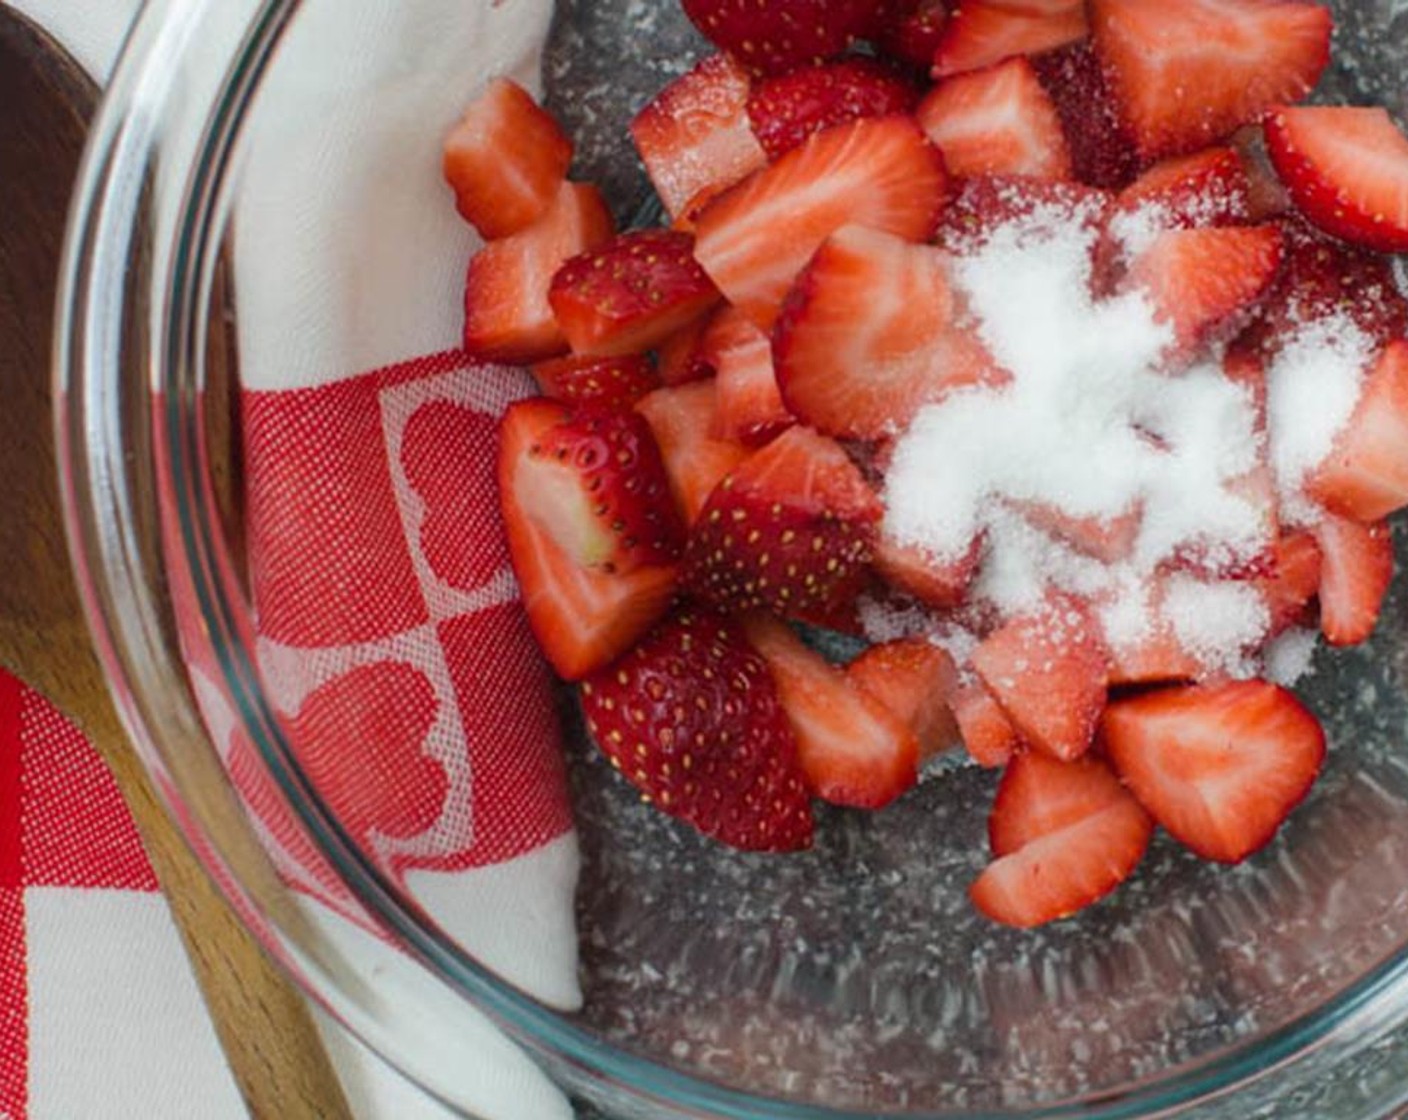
(1094,427)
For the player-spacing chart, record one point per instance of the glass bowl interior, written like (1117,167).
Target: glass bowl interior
(854,978)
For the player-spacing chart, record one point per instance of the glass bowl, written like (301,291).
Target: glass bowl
(853,981)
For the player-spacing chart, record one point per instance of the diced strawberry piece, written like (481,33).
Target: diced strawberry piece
(913,678)
(868,337)
(693,720)
(775,36)
(934,582)
(507,314)
(1346,170)
(683,418)
(1366,475)
(1208,188)
(1206,282)
(584,618)
(1103,153)
(987,733)
(680,358)
(750,408)
(1048,670)
(985,204)
(631,293)
(1155,657)
(610,383)
(1040,795)
(877,172)
(506,160)
(853,750)
(1293,581)
(982,32)
(1219,766)
(792,531)
(1110,539)
(911,32)
(1190,74)
(695,136)
(785,110)
(996,121)
(1357,571)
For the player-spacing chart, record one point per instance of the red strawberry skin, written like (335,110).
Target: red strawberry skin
(791,531)
(785,110)
(911,32)
(984,32)
(1357,571)
(606,383)
(775,36)
(1219,766)
(692,718)
(1346,170)
(1103,153)
(631,293)
(1366,475)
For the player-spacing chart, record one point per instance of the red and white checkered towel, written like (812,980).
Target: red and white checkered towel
(389,629)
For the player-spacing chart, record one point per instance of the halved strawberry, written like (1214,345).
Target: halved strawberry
(583,617)
(934,582)
(692,718)
(982,32)
(775,36)
(878,172)
(1049,670)
(1366,475)
(1102,151)
(910,31)
(868,337)
(787,109)
(996,121)
(610,383)
(1358,569)
(1066,834)
(1294,580)
(1190,74)
(791,531)
(853,750)
(1219,766)
(987,733)
(750,409)
(507,314)
(631,293)
(683,419)
(1208,188)
(914,679)
(1346,170)
(694,137)
(1205,283)
(506,160)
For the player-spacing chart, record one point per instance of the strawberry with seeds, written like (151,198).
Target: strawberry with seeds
(791,531)
(1219,766)
(787,109)
(1102,150)
(609,383)
(750,406)
(983,32)
(910,32)
(1208,188)
(1357,571)
(1366,475)
(692,718)
(684,418)
(775,36)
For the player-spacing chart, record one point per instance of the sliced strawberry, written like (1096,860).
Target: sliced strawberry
(1219,766)
(683,418)
(1103,153)
(679,357)
(775,36)
(996,121)
(914,679)
(987,733)
(982,32)
(1346,170)
(1294,579)
(853,750)
(1110,539)
(507,314)
(1155,657)
(506,160)
(631,293)
(1067,869)
(911,32)
(750,408)
(791,530)
(1040,795)
(1357,571)
(1048,670)
(985,204)
(695,137)
(583,618)
(868,337)
(1190,74)
(934,582)
(610,383)
(785,110)
(1205,283)
(1208,188)
(693,720)
(878,172)
(1366,475)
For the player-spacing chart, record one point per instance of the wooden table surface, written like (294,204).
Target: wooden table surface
(263,1024)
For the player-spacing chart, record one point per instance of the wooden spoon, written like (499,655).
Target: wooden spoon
(263,1024)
